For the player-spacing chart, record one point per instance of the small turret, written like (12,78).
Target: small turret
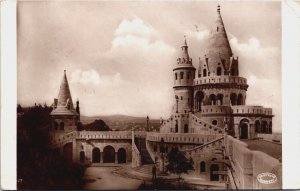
(184,73)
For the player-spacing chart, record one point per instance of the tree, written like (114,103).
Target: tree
(178,163)
(97,125)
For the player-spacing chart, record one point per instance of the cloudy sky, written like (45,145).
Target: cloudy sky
(119,55)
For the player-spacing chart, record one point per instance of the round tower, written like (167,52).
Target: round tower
(184,74)
(218,85)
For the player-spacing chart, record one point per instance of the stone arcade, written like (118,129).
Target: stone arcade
(210,123)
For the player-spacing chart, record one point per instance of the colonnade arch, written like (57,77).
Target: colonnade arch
(244,126)
(121,155)
(108,154)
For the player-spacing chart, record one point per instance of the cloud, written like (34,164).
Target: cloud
(135,27)
(135,35)
(85,77)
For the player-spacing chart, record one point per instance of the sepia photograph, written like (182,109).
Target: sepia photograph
(149,95)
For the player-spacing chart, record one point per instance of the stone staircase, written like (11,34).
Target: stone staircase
(141,145)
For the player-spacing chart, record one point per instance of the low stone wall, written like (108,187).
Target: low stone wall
(248,164)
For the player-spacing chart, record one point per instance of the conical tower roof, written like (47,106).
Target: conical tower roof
(184,59)
(184,50)
(64,105)
(219,47)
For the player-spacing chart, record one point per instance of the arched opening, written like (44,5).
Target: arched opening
(121,155)
(264,126)
(81,156)
(186,128)
(181,75)
(220,98)
(198,100)
(62,126)
(202,166)
(212,98)
(257,126)
(176,127)
(96,155)
(244,129)
(214,168)
(176,76)
(204,72)
(219,71)
(108,154)
(68,151)
(233,99)
(240,100)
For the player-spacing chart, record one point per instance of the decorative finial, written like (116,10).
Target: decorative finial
(218,8)
(185,40)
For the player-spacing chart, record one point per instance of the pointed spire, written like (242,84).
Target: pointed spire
(64,95)
(219,47)
(184,48)
(63,105)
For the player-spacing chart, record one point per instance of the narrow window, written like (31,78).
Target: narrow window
(175,76)
(204,72)
(219,71)
(181,75)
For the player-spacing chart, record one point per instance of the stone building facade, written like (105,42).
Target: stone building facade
(209,121)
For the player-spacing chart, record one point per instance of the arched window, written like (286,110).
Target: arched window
(181,75)
(202,166)
(264,126)
(186,128)
(62,126)
(198,100)
(233,99)
(219,71)
(212,98)
(176,127)
(220,98)
(240,100)
(176,76)
(204,72)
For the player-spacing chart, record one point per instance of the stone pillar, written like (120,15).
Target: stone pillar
(101,157)
(116,157)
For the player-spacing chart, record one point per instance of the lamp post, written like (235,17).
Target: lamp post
(177,98)
(162,151)
(147,123)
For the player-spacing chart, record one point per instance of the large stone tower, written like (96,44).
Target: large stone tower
(184,74)
(64,115)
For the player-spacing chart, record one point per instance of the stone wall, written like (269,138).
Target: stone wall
(247,164)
